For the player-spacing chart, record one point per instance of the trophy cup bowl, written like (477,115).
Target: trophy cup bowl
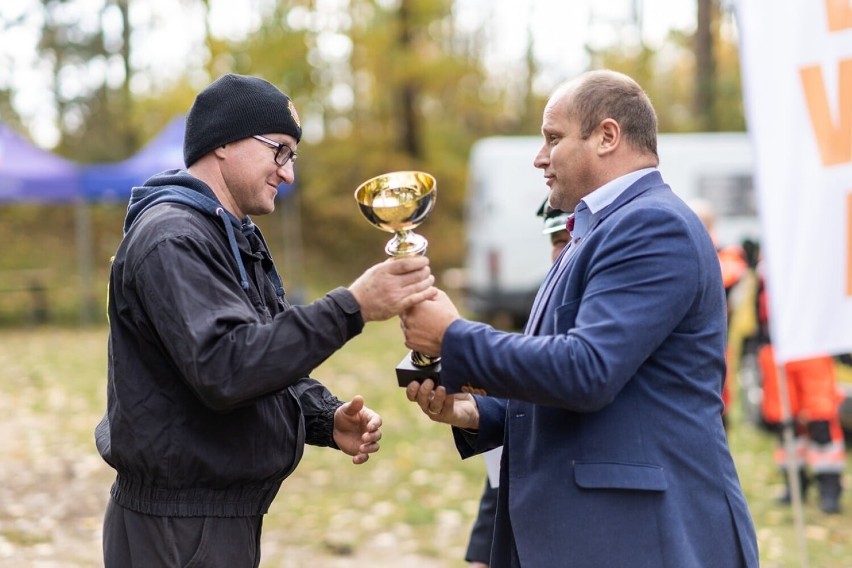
(398,202)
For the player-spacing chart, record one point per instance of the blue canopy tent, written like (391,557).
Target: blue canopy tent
(29,174)
(113,182)
(109,182)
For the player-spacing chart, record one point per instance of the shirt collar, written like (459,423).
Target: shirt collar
(596,201)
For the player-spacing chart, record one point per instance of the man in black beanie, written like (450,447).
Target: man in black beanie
(209,398)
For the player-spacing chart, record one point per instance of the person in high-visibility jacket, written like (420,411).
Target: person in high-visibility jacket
(814,405)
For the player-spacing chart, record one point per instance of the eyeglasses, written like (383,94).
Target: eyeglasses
(283,153)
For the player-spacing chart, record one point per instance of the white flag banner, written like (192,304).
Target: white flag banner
(796,60)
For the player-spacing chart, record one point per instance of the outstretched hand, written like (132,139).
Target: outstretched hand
(357,430)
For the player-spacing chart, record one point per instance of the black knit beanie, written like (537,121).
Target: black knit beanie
(234,107)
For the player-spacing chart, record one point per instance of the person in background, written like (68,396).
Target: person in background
(555,226)
(209,395)
(734,265)
(609,405)
(481,535)
(814,409)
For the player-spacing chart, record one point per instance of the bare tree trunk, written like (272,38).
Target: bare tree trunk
(705,65)
(409,92)
(530,114)
(130,136)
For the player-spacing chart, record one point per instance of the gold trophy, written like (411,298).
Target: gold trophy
(398,202)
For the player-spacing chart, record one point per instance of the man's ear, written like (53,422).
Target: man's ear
(610,136)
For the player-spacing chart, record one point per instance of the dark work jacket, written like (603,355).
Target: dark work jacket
(209,402)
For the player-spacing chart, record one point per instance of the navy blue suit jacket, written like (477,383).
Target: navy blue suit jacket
(615,453)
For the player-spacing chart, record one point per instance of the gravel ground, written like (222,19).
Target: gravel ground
(54,486)
(53,495)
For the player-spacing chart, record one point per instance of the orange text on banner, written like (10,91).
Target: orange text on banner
(839,14)
(834,138)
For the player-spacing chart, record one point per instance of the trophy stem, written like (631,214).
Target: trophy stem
(406,243)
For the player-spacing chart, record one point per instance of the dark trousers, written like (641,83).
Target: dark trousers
(134,540)
(482,533)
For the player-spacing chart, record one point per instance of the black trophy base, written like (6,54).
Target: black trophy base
(407,371)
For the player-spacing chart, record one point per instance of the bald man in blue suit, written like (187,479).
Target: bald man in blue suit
(609,404)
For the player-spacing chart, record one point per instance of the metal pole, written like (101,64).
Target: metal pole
(85,263)
(788,436)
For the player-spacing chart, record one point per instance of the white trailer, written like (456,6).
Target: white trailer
(507,254)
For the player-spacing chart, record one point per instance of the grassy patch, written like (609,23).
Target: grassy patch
(415,500)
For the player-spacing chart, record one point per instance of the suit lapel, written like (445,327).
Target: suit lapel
(561,265)
(546,290)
